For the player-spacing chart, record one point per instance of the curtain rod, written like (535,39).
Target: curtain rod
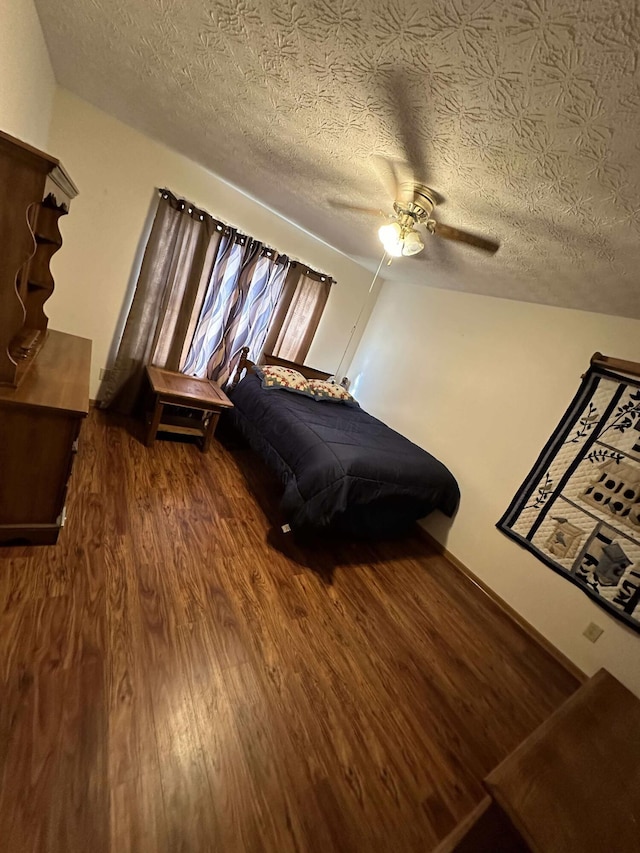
(599,360)
(166,193)
(311,273)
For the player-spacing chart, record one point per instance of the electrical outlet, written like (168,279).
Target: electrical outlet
(592,632)
(103,372)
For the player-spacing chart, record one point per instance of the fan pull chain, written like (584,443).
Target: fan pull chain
(359,317)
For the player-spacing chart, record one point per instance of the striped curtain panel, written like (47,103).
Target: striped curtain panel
(244,291)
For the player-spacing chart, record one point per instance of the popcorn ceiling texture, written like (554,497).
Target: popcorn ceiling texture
(524,113)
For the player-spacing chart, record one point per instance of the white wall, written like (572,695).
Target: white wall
(27,84)
(116,170)
(481,383)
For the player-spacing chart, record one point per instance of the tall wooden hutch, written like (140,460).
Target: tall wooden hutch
(44,375)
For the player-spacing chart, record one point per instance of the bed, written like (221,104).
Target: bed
(342,469)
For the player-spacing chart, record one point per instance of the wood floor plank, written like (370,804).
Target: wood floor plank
(189,813)
(177,674)
(41,635)
(137,816)
(79,813)
(232,792)
(28,790)
(132,743)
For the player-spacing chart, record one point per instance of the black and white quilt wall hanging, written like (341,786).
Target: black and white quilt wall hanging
(579,508)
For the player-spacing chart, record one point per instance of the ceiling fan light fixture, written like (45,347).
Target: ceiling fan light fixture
(412,243)
(391,238)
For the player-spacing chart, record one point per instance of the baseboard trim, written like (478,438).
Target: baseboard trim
(522,623)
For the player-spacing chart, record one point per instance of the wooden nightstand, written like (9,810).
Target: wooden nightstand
(202,398)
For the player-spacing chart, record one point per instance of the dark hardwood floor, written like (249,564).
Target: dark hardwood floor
(176,677)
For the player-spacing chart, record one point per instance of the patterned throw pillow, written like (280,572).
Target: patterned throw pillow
(331,392)
(274,376)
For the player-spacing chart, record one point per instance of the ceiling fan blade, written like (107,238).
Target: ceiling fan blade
(405,127)
(385,169)
(478,242)
(371,211)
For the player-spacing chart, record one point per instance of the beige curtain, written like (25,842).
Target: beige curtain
(295,323)
(175,271)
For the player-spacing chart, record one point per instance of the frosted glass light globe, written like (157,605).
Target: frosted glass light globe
(412,243)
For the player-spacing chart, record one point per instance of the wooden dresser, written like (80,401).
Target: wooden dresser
(44,375)
(573,786)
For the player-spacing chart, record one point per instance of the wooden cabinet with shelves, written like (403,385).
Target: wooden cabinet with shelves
(36,192)
(44,375)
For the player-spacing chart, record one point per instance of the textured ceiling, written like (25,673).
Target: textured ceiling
(525,115)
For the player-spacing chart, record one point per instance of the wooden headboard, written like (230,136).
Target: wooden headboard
(245,363)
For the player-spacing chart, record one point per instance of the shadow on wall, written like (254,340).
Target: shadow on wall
(439,526)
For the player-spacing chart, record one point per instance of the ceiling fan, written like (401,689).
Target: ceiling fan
(413,201)
(412,207)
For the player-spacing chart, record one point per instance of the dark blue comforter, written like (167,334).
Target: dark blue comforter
(339,465)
